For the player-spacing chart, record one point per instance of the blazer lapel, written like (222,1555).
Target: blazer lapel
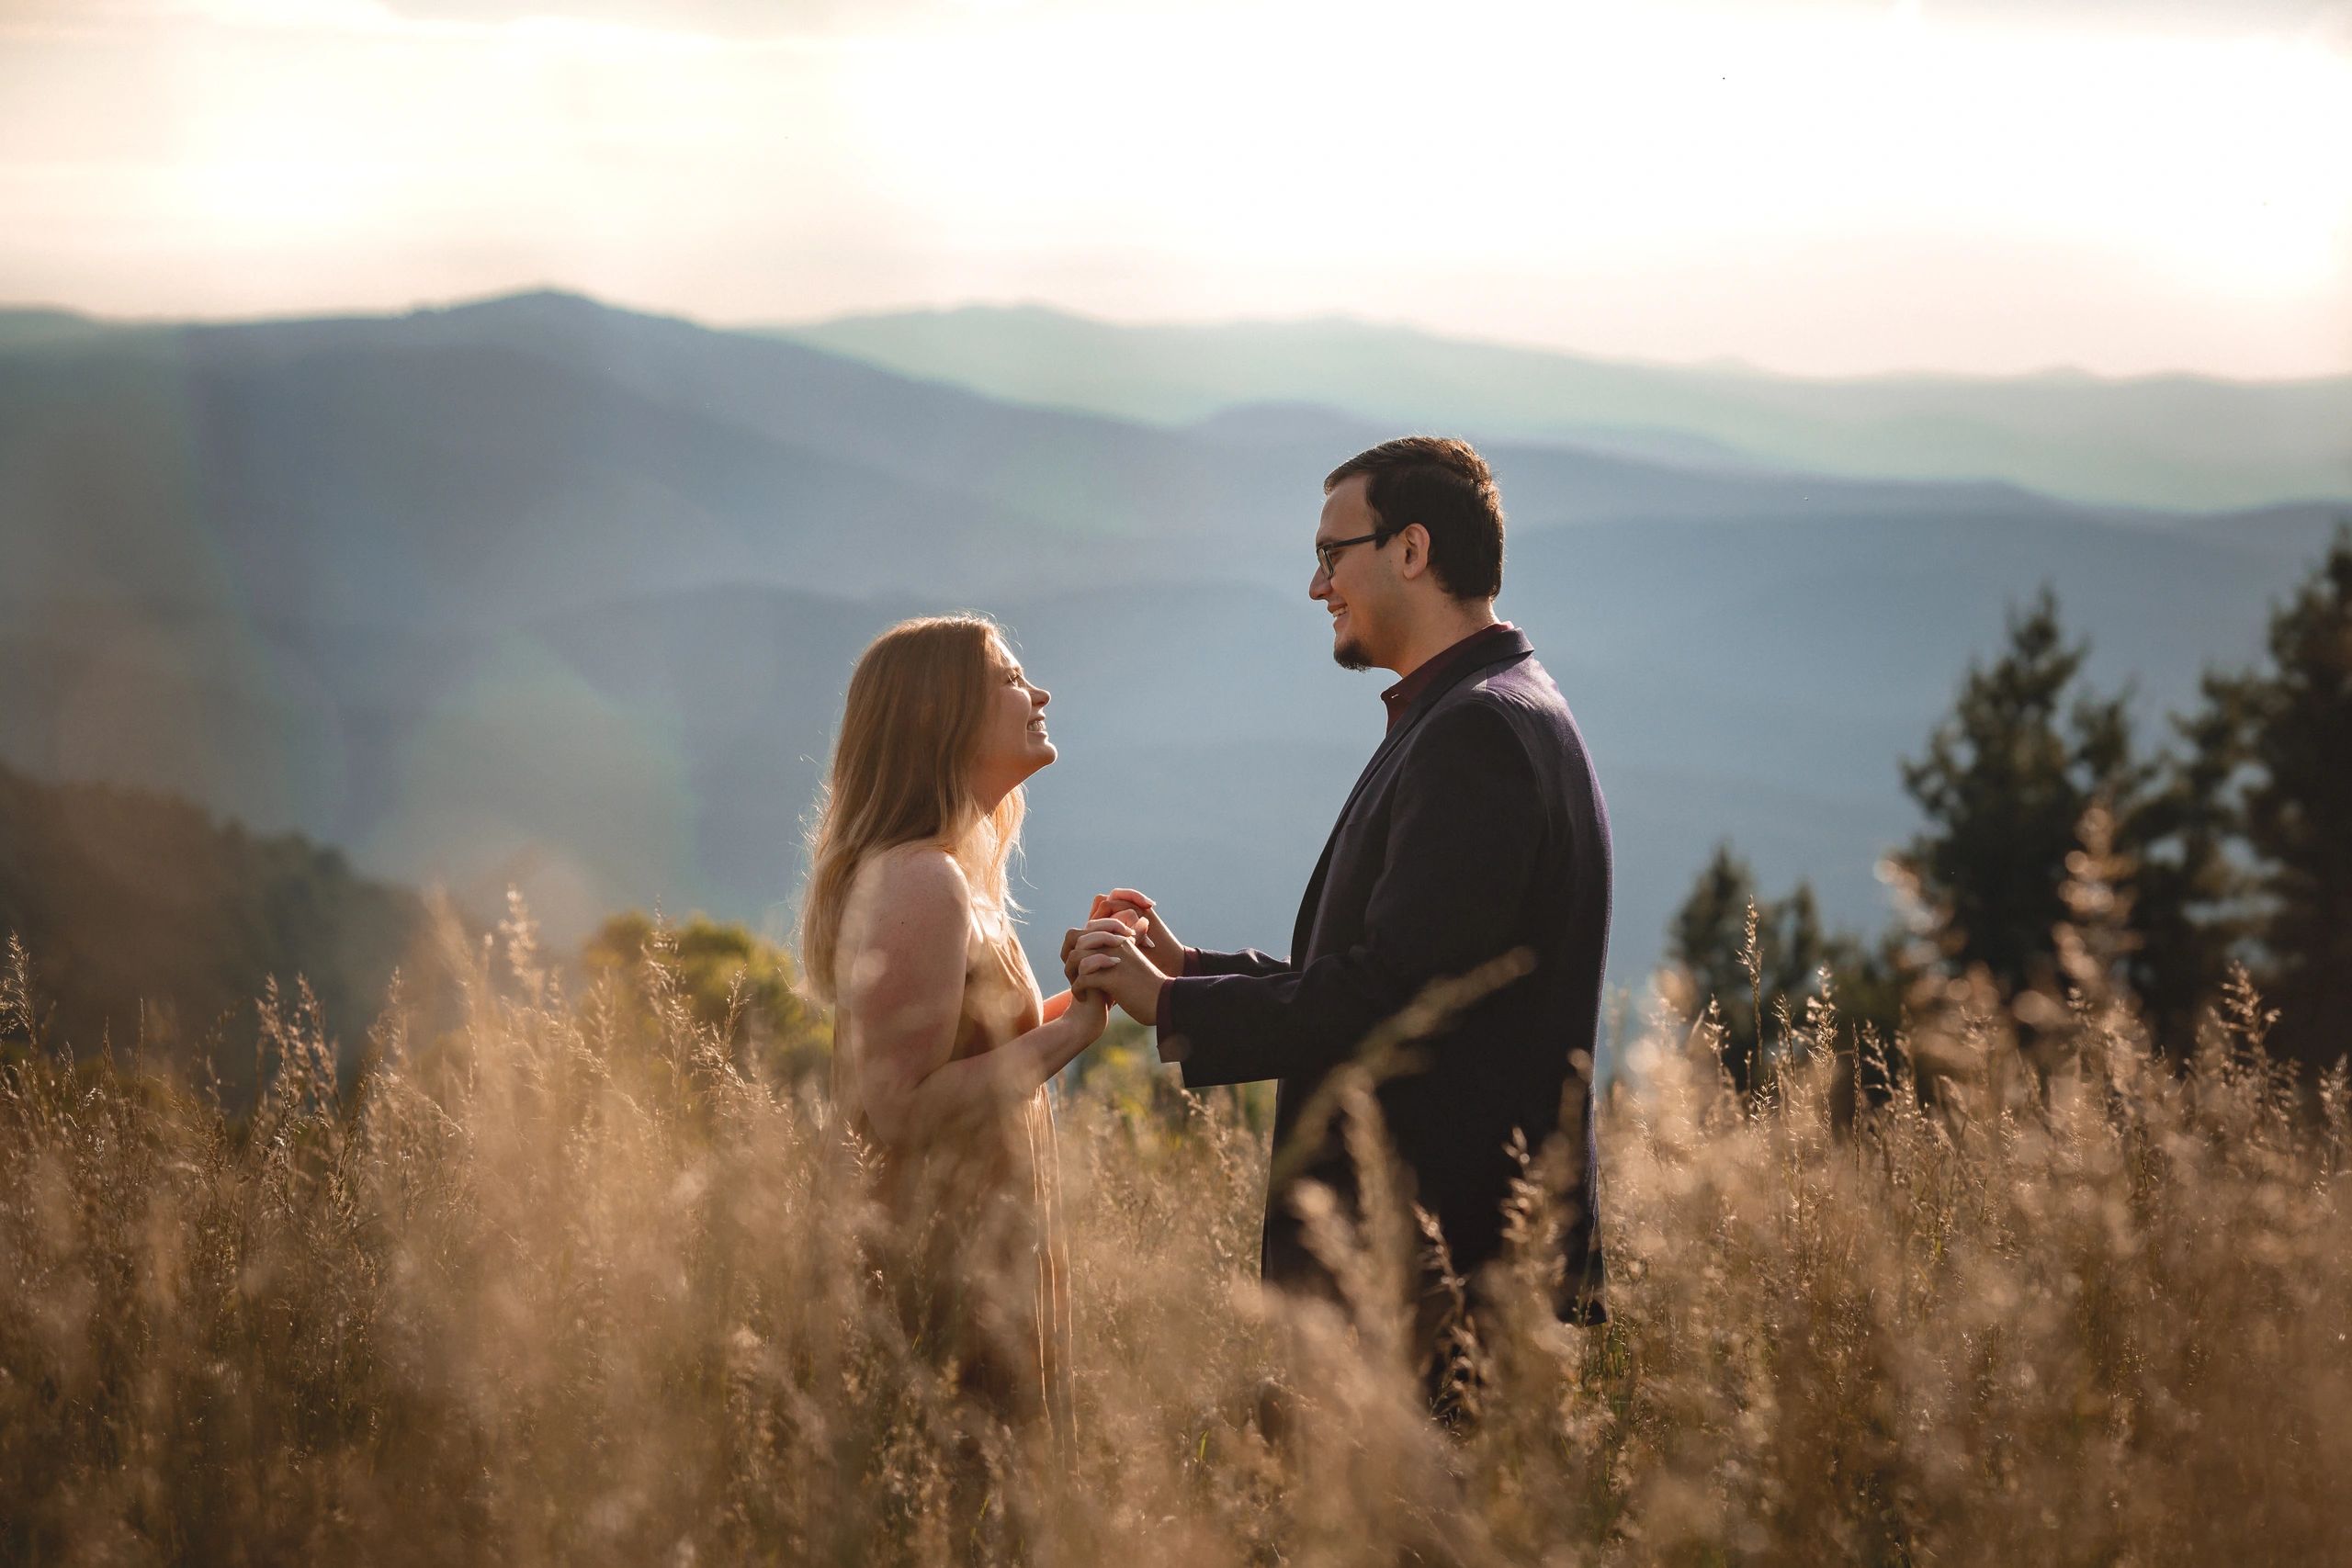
(1519,647)
(1420,710)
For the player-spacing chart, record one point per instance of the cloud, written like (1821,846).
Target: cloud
(2323,21)
(725,18)
(733,20)
(2234,15)
(1622,167)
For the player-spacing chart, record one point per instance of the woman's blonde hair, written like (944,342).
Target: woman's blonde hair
(902,775)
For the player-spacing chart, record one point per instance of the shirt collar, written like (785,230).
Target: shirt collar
(1484,641)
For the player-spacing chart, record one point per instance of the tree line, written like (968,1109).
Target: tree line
(2231,844)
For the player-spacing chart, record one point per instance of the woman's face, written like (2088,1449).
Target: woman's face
(1012,743)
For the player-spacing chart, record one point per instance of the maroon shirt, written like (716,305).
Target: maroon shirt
(1486,642)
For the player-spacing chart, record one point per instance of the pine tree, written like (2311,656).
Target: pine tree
(2288,730)
(2004,784)
(1707,940)
(2187,889)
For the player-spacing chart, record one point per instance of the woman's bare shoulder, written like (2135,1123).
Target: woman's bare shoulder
(916,870)
(907,891)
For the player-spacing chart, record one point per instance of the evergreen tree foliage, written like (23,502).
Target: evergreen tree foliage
(2004,785)
(2006,781)
(1707,940)
(2186,886)
(2287,732)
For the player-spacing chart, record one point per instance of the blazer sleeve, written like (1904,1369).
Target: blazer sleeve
(1465,833)
(1248,960)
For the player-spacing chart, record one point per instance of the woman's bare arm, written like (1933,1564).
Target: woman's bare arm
(905,989)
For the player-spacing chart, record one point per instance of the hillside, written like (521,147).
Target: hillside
(155,927)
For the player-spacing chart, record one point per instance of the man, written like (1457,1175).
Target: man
(1474,844)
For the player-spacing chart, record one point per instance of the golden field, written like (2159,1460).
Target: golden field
(570,1282)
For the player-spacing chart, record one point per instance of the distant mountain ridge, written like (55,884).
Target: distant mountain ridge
(36,324)
(2176,442)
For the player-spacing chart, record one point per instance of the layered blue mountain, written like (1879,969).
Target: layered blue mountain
(2165,441)
(538,591)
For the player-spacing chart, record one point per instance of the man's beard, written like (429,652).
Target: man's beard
(1349,654)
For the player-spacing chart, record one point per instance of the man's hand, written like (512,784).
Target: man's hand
(1154,940)
(1108,961)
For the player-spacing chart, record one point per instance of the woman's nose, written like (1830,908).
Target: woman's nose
(1042,696)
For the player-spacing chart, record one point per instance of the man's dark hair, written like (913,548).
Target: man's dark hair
(1446,486)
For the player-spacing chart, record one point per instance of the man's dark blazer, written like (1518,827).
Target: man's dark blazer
(1477,830)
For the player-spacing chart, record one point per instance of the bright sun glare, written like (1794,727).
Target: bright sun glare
(1222,158)
(1615,131)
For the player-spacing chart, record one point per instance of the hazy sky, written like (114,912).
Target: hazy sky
(1814,184)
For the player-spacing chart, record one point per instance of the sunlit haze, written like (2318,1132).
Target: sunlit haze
(1808,185)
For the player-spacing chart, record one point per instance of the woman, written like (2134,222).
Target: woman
(942,1044)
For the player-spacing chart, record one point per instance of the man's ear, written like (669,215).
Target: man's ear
(1415,557)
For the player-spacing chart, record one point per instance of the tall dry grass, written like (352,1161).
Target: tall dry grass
(562,1286)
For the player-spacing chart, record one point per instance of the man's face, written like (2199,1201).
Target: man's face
(1359,591)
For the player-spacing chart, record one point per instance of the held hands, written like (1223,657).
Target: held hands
(1123,953)
(1102,917)
(1153,939)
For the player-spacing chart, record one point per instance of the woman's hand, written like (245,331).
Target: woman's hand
(1124,922)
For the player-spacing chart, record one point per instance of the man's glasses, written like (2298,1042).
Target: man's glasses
(1326,551)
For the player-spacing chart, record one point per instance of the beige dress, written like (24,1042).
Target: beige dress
(982,1264)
